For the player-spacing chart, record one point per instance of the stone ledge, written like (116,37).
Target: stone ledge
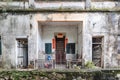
(58,10)
(53,75)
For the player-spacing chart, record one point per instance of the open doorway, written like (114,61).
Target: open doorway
(22,56)
(97,50)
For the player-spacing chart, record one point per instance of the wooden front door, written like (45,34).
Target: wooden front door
(60,50)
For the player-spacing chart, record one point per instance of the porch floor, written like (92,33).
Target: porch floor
(60,66)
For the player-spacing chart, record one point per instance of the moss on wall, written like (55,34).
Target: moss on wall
(29,10)
(57,75)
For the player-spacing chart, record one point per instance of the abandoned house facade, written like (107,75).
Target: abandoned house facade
(36,31)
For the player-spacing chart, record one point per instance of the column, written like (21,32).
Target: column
(88,4)
(31,3)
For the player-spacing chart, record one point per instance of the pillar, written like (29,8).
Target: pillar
(31,3)
(88,4)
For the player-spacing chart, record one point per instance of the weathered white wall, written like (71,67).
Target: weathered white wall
(17,26)
(41,53)
(112,38)
(94,24)
(11,27)
(58,5)
(101,24)
(104,5)
(80,38)
(48,34)
(33,39)
(14,5)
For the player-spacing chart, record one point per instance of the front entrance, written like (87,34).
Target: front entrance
(60,50)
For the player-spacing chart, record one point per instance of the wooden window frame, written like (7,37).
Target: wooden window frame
(102,59)
(50,48)
(67,48)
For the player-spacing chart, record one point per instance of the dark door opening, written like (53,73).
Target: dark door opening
(22,47)
(60,50)
(97,51)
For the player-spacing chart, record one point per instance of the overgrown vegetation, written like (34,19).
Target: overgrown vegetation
(55,75)
(89,64)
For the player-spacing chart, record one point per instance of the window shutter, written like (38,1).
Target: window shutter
(48,48)
(70,48)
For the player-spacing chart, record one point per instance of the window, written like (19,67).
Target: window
(48,48)
(118,44)
(0,47)
(97,50)
(70,48)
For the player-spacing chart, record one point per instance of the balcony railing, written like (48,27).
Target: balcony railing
(53,64)
(59,61)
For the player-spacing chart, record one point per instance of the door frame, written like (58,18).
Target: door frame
(17,52)
(102,46)
(64,55)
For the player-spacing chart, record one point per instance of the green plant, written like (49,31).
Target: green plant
(89,64)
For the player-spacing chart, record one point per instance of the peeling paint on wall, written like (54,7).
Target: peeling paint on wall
(94,24)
